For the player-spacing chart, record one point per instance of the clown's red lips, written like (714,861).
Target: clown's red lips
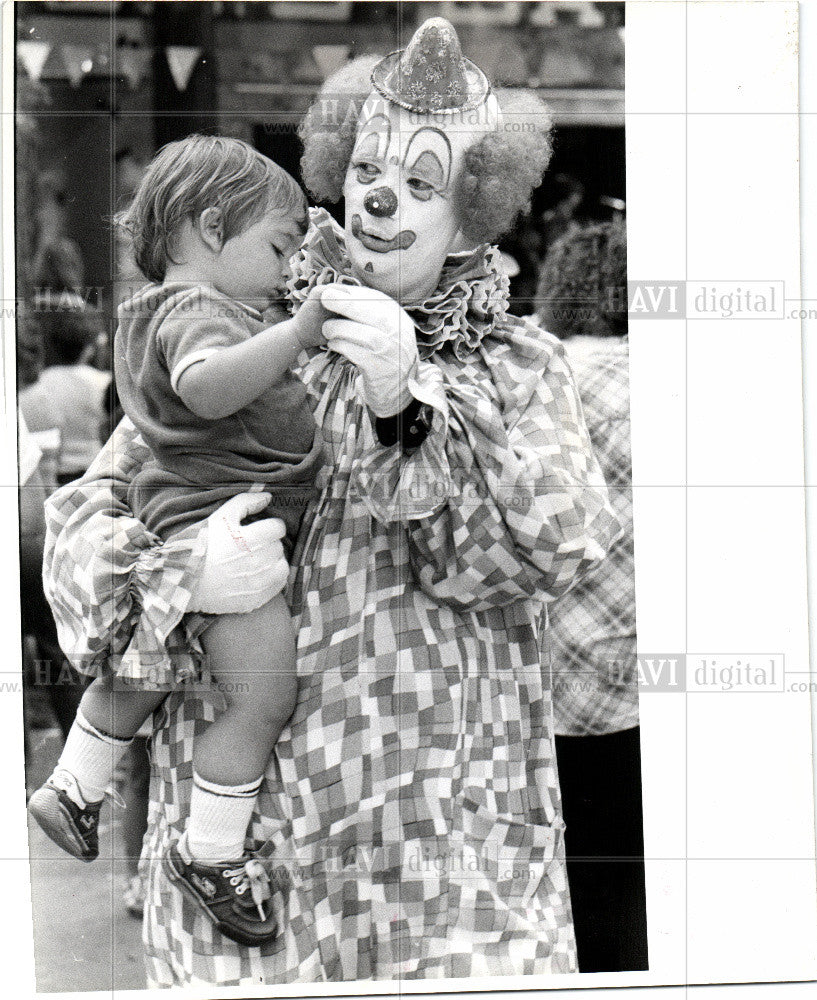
(402,241)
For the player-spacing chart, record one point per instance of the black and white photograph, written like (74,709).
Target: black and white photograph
(394,429)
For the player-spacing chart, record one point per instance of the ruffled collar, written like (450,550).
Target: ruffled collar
(471,297)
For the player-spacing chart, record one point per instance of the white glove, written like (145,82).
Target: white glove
(244,565)
(377,336)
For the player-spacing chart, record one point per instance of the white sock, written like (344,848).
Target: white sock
(219,817)
(90,757)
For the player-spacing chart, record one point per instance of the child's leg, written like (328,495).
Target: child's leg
(67,806)
(108,718)
(252,658)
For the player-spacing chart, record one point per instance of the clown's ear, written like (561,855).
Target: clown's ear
(328,131)
(501,171)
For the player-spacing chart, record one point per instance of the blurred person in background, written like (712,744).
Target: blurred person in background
(62,407)
(46,671)
(69,393)
(52,689)
(582,299)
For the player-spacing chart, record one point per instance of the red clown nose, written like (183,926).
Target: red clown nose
(431,75)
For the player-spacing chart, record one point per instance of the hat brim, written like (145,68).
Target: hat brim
(477,83)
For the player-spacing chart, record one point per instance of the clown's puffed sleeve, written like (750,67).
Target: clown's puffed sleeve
(106,577)
(505,499)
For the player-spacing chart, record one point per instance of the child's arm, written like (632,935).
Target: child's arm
(232,377)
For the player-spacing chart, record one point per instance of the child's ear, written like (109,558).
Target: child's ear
(210,227)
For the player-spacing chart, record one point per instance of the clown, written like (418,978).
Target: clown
(418,831)
(427,158)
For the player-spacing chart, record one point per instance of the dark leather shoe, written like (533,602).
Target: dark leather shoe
(235,895)
(72,827)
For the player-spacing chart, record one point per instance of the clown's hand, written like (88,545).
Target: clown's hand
(244,565)
(378,336)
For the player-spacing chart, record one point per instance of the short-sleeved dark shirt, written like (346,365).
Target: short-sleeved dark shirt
(271,442)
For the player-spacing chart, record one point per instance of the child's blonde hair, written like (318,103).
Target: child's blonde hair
(200,172)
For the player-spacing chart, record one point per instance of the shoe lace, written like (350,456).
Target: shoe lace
(251,875)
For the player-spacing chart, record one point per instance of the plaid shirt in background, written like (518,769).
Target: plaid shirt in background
(592,626)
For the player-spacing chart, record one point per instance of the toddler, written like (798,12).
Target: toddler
(210,387)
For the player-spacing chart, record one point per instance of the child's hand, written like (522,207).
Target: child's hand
(309,320)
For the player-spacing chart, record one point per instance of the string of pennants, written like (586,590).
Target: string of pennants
(508,61)
(133,62)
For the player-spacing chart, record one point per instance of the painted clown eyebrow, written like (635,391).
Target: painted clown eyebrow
(374,137)
(432,150)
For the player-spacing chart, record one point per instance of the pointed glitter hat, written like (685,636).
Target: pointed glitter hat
(431,75)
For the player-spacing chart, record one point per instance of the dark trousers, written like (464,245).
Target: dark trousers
(600,778)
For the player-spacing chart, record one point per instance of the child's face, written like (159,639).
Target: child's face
(252,267)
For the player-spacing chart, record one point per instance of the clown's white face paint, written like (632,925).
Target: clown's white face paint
(400,217)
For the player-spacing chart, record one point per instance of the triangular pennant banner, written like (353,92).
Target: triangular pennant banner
(33,55)
(330,57)
(132,63)
(78,60)
(182,60)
